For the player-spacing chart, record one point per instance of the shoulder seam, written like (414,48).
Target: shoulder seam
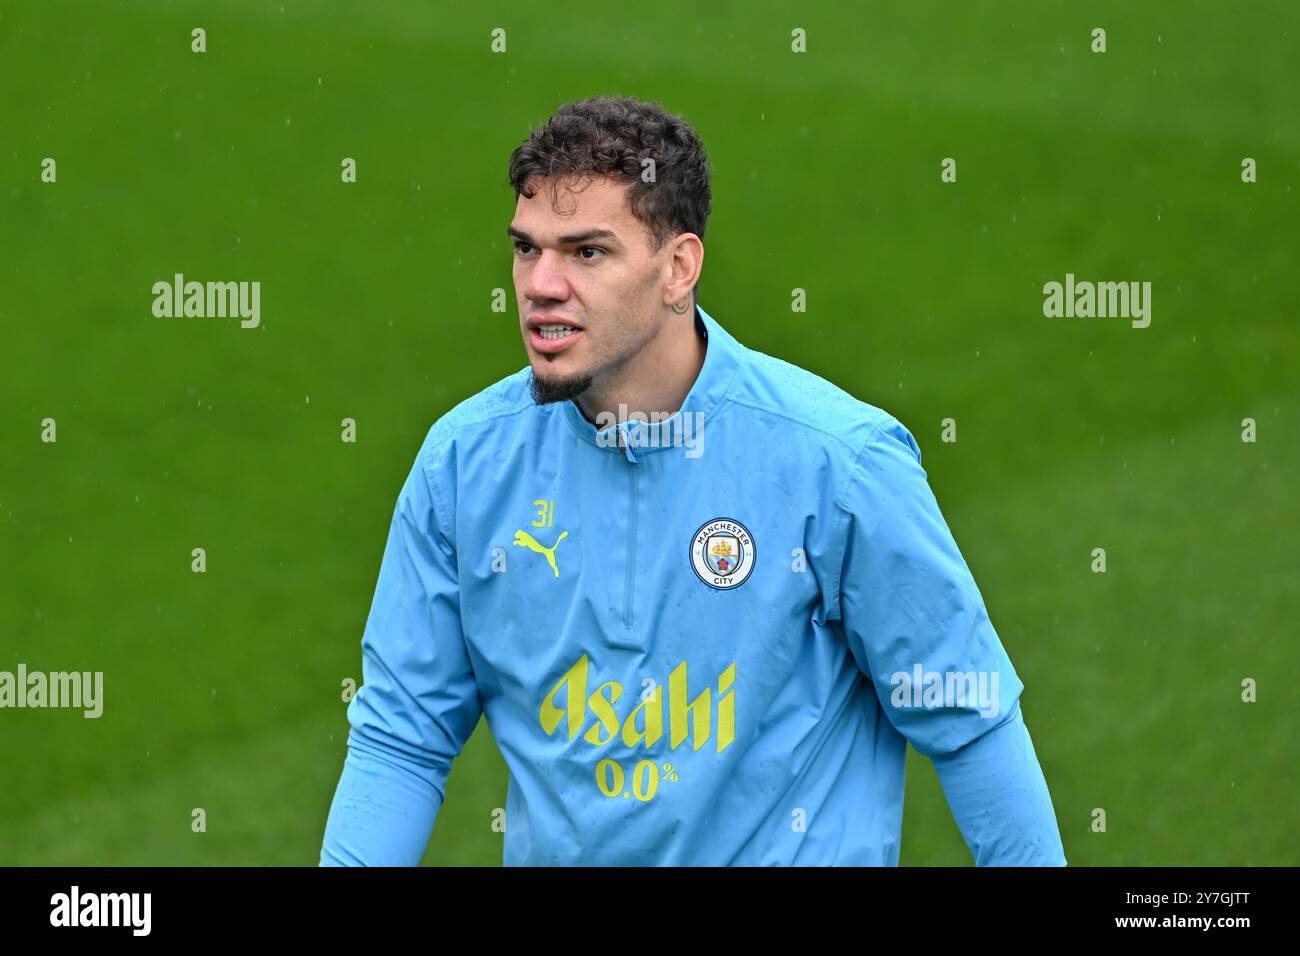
(840,501)
(445,527)
(811,426)
(430,450)
(844,515)
(459,427)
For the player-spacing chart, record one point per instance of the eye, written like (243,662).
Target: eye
(521,247)
(594,249)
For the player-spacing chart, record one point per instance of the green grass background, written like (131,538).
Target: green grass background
(223,689)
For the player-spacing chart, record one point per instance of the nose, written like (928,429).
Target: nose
(545,279)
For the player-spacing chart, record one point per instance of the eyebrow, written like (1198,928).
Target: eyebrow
(569,240)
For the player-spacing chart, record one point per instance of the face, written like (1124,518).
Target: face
(590,288)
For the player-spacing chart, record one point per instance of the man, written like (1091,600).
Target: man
(703,597)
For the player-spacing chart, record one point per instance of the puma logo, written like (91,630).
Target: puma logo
(525,540)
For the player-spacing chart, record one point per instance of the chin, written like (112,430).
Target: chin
(551,386)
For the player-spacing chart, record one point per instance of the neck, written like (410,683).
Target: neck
(656,379)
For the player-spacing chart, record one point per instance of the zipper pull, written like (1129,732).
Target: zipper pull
(624,428)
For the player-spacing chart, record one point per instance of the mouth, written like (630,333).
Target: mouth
(549,336)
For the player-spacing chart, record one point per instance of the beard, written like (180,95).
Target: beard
(547,390)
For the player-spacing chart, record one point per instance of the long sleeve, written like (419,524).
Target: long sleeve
(999,798)
(917,625)
(418,702)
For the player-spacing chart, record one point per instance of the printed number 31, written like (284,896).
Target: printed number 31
(545,514)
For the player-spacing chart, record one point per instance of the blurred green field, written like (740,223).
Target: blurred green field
(222,690)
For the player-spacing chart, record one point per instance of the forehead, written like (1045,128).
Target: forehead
(572,204)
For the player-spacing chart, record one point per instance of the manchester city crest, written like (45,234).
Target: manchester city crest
(722,553)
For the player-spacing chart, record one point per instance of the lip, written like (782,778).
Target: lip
(551,346)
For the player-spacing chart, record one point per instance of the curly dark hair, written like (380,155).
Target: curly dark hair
(612,136)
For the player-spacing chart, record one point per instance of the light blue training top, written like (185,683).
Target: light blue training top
(705,640)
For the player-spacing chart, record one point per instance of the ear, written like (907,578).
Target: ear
(685,261)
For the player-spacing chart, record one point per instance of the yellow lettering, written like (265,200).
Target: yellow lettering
(575,680)
(653,708)
(644,725)
(605,713)
(726,707)
(697,712)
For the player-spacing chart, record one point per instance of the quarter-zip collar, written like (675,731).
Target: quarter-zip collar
(704,401)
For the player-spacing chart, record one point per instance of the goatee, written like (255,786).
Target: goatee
(560,389)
